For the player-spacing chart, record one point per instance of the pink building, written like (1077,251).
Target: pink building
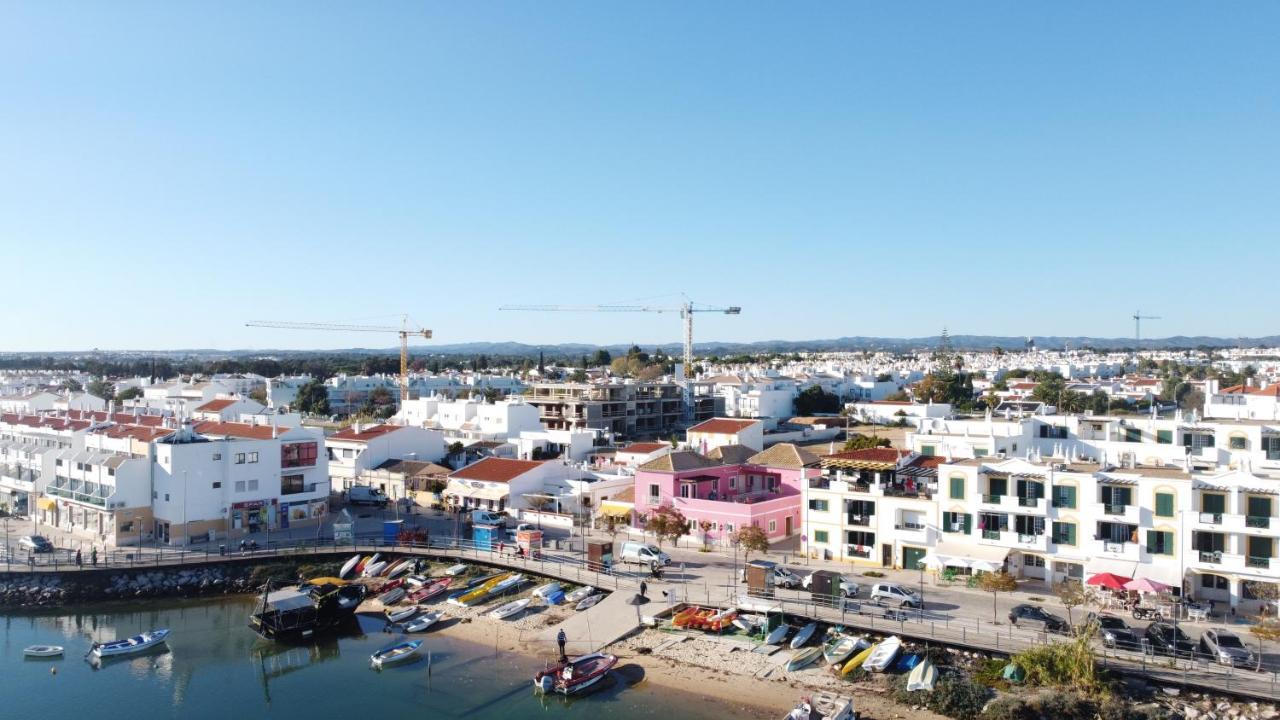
(764,491)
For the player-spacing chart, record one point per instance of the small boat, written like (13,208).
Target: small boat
(430,590)
(402,614)
(392,596)
(748,623)
(511,608)
(403,566)
(456,569)
(856,661)
(803,657)
(423,621)
(477,594)
(589,601)
(546,591)
(394,654)
(135,644)
(923,676)
(388,587)
(839,648)
(416,581)
(364,566)
(576,675)
(42,651)
(906,663)
(721,620)
(823,706)
(778,635)
(325,580)
(680,619)
(372,569)
(363,562)
(579,594)
(349,566)
(507,584)
(883,655)
(803,636)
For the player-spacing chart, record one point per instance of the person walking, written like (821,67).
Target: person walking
(93,556)
(79,559)
(562,640)
(643,589)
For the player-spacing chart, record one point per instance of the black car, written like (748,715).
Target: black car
(1169,640)
(1114,631)
(1036,617)
(35,543)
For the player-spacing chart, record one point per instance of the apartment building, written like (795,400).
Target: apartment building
(469,420)
(357,450)
(718,432)
(625,409)
(1242,401)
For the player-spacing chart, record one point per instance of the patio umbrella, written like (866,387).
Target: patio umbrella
(1111,581)
(983,566)
(934,562)
(1145,585)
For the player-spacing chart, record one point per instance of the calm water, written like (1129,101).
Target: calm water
(215,667)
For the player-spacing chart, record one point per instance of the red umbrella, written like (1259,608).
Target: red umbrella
(1111,581)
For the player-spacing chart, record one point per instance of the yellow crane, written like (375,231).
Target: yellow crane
(404,331)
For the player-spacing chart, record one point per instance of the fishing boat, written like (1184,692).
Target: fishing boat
(906,663)
(478,593)
(883,655)
(359,569)
(546,591)
(135,644)
(839,648)
(430,590)
(42,651)
(349,566)
(777,635)
(392,596)
(423,621)
(456,569)
(401,614)
(589,601)
(803,636)
(856,661)
(721,620)
(576,675)
(923,676)
(512,608)
(399,568)
(298,613)
(395,654)
(823,706)
(388,587)
(748,623)
(372,569)
(416,581)
(803,657)
(579,594)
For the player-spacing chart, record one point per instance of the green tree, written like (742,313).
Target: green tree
(666,522)
(258,394)
(1099,402)
(128,394)
(456,448)
(813,400)
(750,539)
(1071,594)
(102,389)
(1049,389)
(312,398)
(602,358)
(1265,630)
(70,384)
(996,583)
(578,376)
(858,441)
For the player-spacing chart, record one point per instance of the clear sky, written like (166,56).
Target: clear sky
(169,170)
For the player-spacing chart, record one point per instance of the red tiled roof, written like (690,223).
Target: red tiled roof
(722,426)
(496,469)
(643,448)
(928,461)
(136,432)
(365,434)
(882,455)
(1269,391)
(237,430)
(216,405)
(44,421)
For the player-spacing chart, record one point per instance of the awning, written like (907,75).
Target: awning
(45,503)
(1123,568)
(614,509)
(464,490)
(290,599)
(1160,573)
(961,555)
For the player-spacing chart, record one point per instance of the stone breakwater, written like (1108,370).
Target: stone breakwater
(54,589)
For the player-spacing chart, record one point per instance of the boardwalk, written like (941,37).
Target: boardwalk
(593,629)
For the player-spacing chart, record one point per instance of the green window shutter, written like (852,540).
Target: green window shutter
(968,524)
(1164,504)
(820,536)
(957,488)
(1152,537)
(927,450)
(1259,507)
(1216,504)
(1164,437)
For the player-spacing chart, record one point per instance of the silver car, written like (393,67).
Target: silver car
(1226,647)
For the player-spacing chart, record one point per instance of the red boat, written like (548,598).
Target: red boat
(576,675)
(431,589)
(391,586)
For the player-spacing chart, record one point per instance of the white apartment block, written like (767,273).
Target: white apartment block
(359,449)
(471,419)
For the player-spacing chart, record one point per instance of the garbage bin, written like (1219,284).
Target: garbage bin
(222,549)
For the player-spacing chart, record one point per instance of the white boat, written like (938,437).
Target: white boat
(748,623)
(779,633)
(589,601)
(839,648)
(402,614)
(803,636)
(884,655)
(423,621)
(135,644)
(823,706)
(398,653)
(373,568)
(579,594)
(401,567)
(803,657)
(416,581)
(510,583)
(511,608)
(392,596)
(348,566)
(546,591)
(456,569)
(42,650)
(923,676)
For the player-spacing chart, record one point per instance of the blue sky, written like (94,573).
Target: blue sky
(169,170)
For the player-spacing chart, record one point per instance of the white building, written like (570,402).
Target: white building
(887,412)
(471,419)
(360,448)
(710,434)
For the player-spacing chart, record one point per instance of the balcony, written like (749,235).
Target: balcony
(1116,549)
(1206,518)
(1211,557)
(1257,521)
(992,499)
(902,491)
(991,534)
(1258,562)
(1034,541)
(859,520)
(1113,509)
(854,551)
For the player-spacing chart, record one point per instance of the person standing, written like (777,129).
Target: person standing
(562,640)
(93,556)
(79,559)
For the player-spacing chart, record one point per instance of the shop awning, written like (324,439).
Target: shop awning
(466,490)
(1123,568)
(615,509)
(45,503)
(962,555)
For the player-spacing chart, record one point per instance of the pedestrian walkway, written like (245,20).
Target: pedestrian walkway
(590,630)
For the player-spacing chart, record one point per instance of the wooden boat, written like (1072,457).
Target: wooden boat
(42,651)
(430,590)
(923,676)
(546,591)
(401,614)
(883,655)
(803,657)
(423,621)
(579,594)
(856,661)
(838,649)
(456,569)
(576,675)
(803,636)
(137,643)
(778,635)
(392,596)
(349,566)
(512,608)
(721,620)
(394,654)
(372,569)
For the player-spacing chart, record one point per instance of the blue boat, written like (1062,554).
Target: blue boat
(135,644)
(906,663)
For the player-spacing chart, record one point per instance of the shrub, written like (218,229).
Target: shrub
(1065,705)
(873,574)
(1071,664)
(1009,707)
(958,697)
(991,674)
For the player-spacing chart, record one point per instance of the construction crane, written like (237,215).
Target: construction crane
(686,310)
(1138,317)
(404,331)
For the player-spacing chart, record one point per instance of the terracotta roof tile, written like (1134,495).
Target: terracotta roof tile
(365,434)
(722,426)
(237,430)
(679,462)
(496,469)
(216,405)
(644,448)
(880,455)
(784,455)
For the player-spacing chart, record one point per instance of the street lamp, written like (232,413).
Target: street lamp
(920,565)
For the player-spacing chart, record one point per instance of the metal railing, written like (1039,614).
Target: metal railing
(1114,509)
(1257,521)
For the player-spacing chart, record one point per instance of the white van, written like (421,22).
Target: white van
(484,517)
(365,495)
(644,554)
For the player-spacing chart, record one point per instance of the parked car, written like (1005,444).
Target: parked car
(1036,617)
(1166,639)
(35,543)
(848,588)
(1114,631)
(893,594)
(643,554)
(1226,647)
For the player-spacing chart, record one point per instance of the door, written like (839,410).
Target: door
(788,524)
(886,555)
(911,557)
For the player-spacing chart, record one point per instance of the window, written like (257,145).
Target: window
(1032,560)
(239,486)
(927,450)
(1064,533)
(253,457)
(1215,582)
(733,482)
(820,536)
(291,485)
(818,505)
(166,497)
(348,453)
(239,458)
(253,485)
(1164,504)
(217,457)
(1212,503)
(1271,446)
(953,522)
(1239,442)
(957,488)
(59,462)
(1160,542)
(980,452)
(111,472)
(217,485)
(1164,437)
(1064,496)
(1133,435)
(728,527)
(654,493)
(299,454)
(773,526)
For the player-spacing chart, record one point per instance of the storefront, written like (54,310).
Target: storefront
(302,512)
(254,515)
